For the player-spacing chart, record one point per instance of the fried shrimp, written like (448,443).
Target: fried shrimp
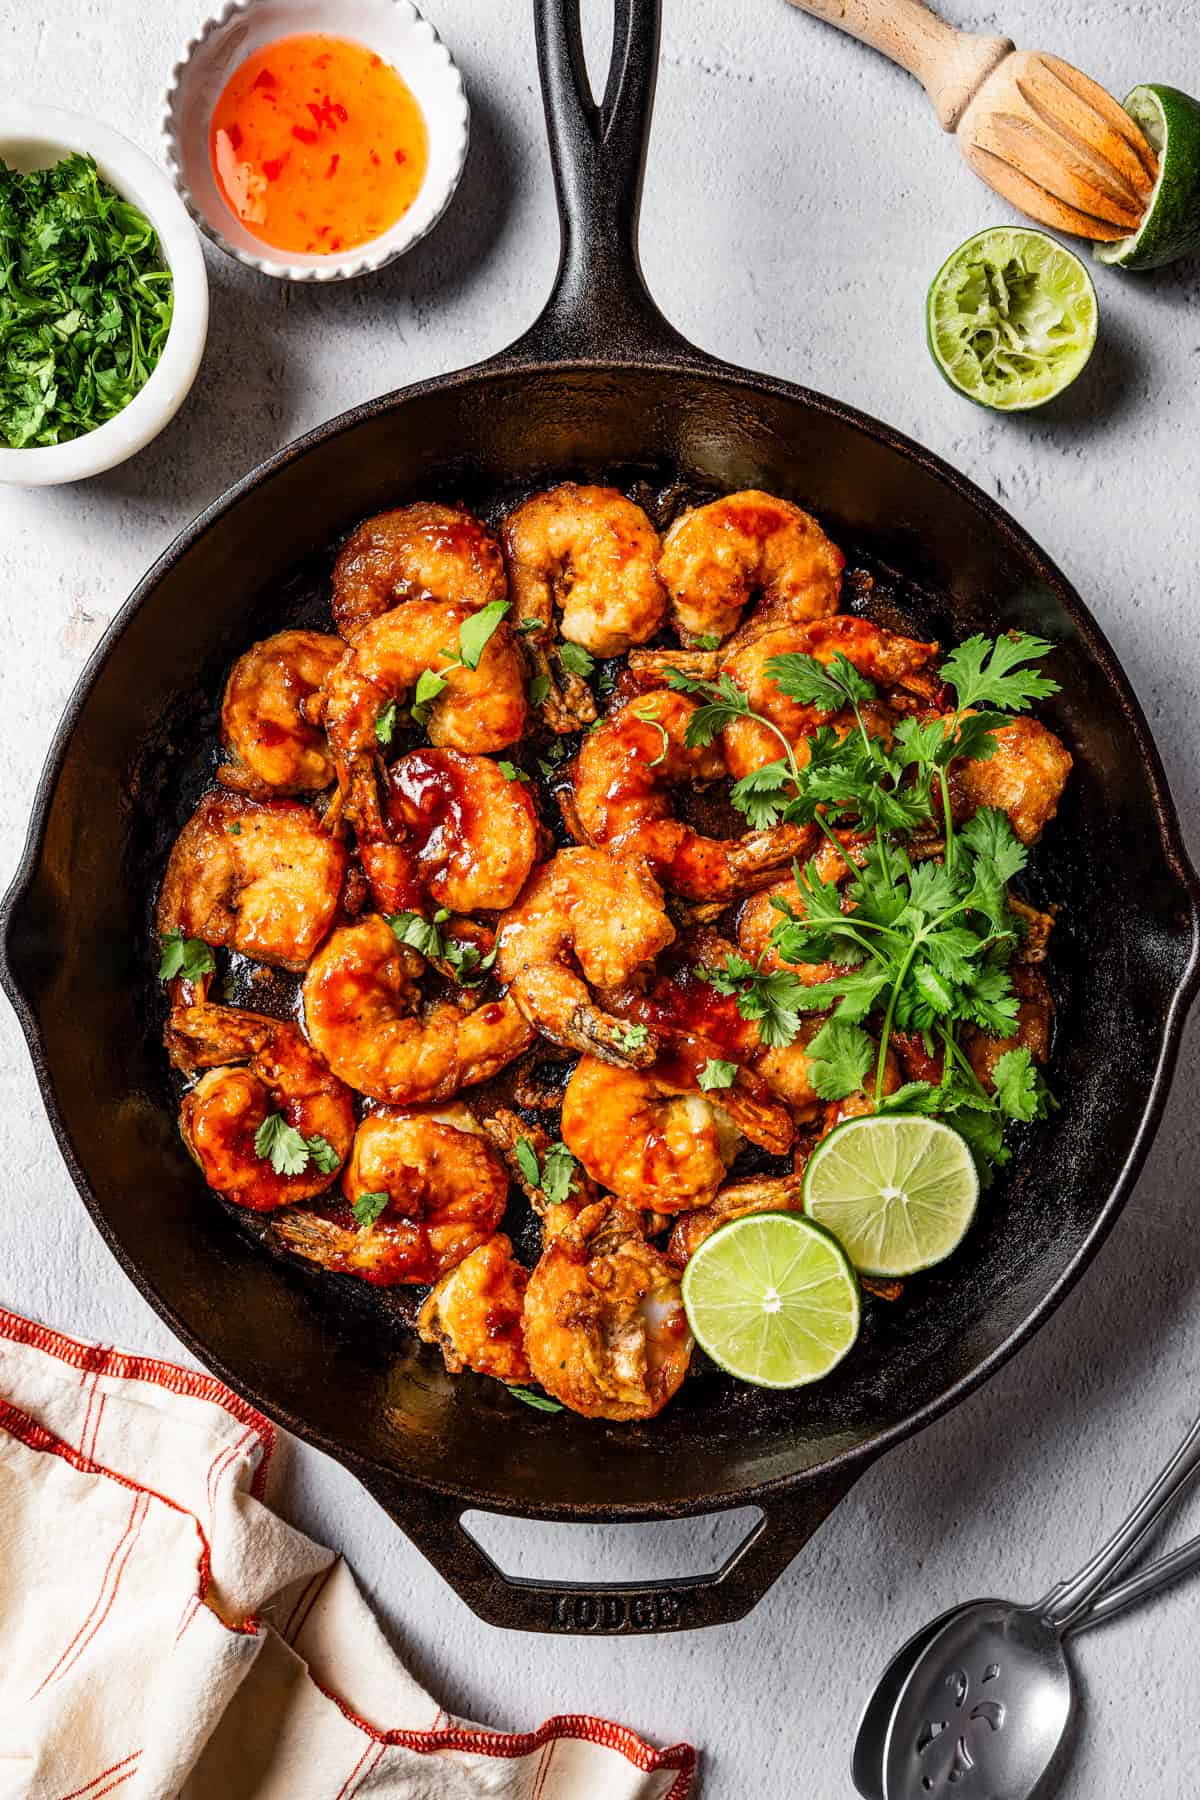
(1025,778)
(687,1013)
(361,1007)
(747,546)
(605,1329)
(475,1314)
(882,656)
(621,798)
(765,1193)
(420,552)
(271,746)
(586,920)
(257,1067)
(442,1188)
(459,833)
(653,1137)
(591,553)
(478,709)
(262,877)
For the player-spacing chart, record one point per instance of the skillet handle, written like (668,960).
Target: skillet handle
(599,307)
(618,1609)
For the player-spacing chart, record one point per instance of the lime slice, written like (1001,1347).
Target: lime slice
(772,1299)
(897,1192)
(1011,318)
(1171,227)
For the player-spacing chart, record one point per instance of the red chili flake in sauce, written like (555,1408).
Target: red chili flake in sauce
(292,92)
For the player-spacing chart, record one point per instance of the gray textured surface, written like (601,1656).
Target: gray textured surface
(799,198)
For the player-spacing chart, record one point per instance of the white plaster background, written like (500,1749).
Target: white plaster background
(799,198)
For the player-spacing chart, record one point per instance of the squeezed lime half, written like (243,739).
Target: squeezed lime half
(898,1192)
(1011,318)
(1171,225)
(773,1300)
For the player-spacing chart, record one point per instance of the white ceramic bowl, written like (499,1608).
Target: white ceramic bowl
(33,137)
(395,30)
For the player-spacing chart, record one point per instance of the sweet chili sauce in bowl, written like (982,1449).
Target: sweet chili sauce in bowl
(317,144)
(316,141)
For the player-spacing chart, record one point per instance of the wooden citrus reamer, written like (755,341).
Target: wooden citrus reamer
(1039,132)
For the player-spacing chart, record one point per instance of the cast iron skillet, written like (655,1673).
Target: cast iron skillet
(599,384)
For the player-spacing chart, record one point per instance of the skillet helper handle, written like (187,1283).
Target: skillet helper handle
(1147,1581)
(617,1609)
(599,308)
(1070,1600)
(950,65)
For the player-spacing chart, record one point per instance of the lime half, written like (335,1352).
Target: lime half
(1011,318)
(1171,226)
(898,1192)
(773,1300)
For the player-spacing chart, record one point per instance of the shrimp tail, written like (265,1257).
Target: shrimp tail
(316,1239)
(558,1004)
(756,860)
(205,1036)
(653,668)
(569,704)
(757,1114)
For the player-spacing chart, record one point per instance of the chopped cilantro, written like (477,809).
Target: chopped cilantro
(717,1074)
(466,962)
(385,722)
(475,633)
(539,1402)
(85,302)
(290,1153)
(576,660)
(555,1177)
(368,1207)
(189,957)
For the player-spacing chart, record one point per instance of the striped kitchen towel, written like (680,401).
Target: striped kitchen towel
(163,1633)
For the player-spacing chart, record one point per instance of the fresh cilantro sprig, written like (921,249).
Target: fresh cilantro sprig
(474,635)
(768,997)
(85,302)
(576,660)
(466,962)
(717,1074)
(289,1152)
(367,1208)
(883,787)
(554,1176)
(189,957)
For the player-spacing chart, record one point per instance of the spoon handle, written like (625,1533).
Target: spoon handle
(1148,1581)
(951,65)
(1062,1607)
